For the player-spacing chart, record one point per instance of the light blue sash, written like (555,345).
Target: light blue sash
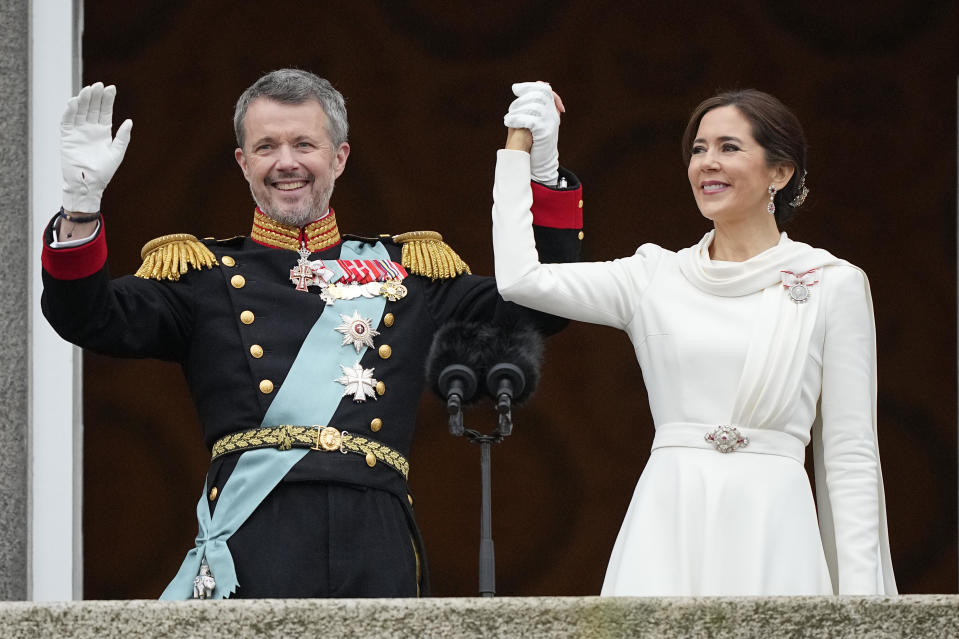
(308,395)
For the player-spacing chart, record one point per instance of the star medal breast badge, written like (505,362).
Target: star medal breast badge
(357,331)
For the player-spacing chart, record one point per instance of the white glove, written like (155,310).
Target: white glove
(535,108)
(88,155)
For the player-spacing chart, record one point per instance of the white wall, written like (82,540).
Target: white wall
(55,562)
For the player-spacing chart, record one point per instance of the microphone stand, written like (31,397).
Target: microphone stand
(457,383)
(504,381)
(487,555)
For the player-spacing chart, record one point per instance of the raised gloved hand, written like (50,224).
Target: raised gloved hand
(89,156)
(537,108)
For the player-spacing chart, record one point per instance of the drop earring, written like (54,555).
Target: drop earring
(771,207)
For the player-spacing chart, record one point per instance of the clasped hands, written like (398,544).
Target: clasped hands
(533,120)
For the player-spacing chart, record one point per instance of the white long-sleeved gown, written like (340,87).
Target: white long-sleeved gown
(702,522)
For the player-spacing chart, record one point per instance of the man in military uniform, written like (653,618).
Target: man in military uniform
(303,349)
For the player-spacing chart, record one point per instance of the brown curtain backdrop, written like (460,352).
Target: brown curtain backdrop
(427,83)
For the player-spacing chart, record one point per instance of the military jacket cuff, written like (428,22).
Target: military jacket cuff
(559,207)
(76,262)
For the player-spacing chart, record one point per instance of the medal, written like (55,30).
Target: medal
(393,290)
(797,286)
(308,273)
(350,280)
(302,274)
(358,381)
(357,331)
(333,292)
(203,583)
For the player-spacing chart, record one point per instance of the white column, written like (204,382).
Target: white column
(55,562)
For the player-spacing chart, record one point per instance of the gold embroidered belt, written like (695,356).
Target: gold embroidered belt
(321,438)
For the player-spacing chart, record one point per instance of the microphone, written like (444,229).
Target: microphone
(454,365)
(508,359)
(514,361)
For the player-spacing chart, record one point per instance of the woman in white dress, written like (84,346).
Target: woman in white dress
(751,345)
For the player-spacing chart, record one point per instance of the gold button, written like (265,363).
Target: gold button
(370,460)
(380,388)
(247,317)
(266,387)
(385,351)
(410,497)
(238,281)
(581,235)
(228,261)
(213,493)
(256,351)
(580,204)
(388,320)
(376,425)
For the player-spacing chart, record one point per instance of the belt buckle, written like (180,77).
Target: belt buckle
(328,439)
(726,439)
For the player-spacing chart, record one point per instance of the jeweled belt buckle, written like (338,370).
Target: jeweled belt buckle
(328,439)
(726,439)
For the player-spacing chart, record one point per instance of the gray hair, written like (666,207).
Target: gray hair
(294,86)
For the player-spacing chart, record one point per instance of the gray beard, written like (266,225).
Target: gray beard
(314,210)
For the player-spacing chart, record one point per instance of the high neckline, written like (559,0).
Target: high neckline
(731,279)
(318,235)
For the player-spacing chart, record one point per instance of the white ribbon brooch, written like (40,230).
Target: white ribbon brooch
(798,285)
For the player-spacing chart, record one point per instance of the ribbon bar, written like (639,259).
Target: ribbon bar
(364,271)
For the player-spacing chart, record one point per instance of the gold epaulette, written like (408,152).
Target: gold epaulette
(170,256)
(425,253)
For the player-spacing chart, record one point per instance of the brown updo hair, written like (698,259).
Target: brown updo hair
(774,127)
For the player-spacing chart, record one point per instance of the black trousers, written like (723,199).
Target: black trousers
(319,539)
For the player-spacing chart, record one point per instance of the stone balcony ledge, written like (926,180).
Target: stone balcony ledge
(821,617)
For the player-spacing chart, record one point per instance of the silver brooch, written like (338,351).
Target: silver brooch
(726,439)
(357,331)
(797,286)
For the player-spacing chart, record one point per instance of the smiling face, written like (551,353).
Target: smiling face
(289,159)
(727,168)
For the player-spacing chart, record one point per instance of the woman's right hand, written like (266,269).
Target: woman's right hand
(533,122)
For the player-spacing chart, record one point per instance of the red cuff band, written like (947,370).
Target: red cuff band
(557,209)
(77,262)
